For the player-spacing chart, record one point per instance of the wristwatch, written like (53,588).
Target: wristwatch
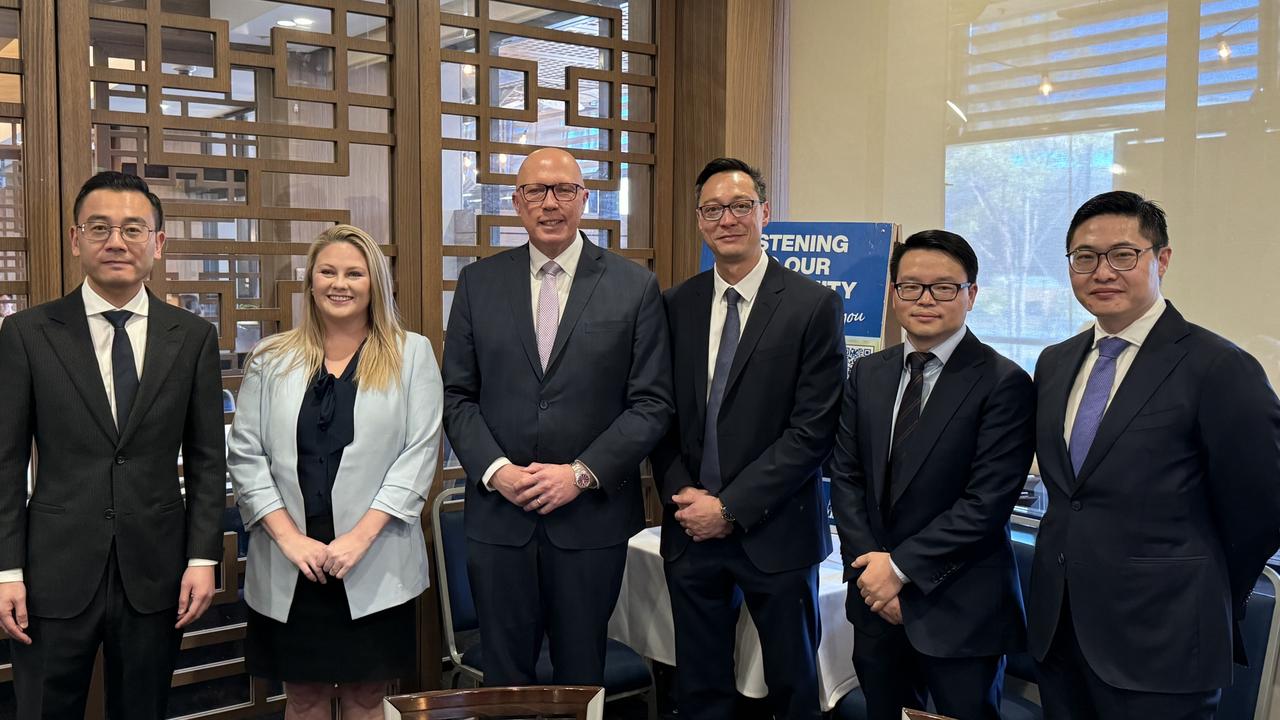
(728,516)
(582,476)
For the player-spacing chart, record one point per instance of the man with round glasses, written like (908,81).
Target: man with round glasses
(934,443)
(1159,445)
(112,550)
(557,384)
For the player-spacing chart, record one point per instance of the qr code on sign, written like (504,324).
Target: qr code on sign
(852,353)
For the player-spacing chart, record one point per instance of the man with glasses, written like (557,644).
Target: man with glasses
(556,386)
(758,354)
(112,550)
(1159,444)
(934,443)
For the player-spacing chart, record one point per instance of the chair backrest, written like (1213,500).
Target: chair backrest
(454,585)
(1020,664)
(1261,629)
(582,703)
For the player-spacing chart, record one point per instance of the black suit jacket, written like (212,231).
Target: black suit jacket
(1161,537)
(776,421)
(605,397)
(94,485)
(948,528)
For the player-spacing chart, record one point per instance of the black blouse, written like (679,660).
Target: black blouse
(326,426)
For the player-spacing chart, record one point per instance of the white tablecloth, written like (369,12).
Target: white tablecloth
(643,621)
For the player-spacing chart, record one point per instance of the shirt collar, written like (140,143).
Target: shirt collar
(942,351)
(749,285)
(95,304)
(1139,329)
(567,260)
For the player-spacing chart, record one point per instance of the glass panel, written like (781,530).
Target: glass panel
(118,97)
(551,130)
(255,33)
(186,52)
(368,72)
(461,195)
(117,45)
(634,142)
(10,304)
(13,265)
(549,19)
(369,27)
(12,200)
(637,63)
(462,127)
(506,88)
(593,98)
(310,66)
(458,7)
(368,119)
(552,57)
(458,83)
(456,38)
(217,144)
(10,46)
(637,103)
(365,192)
(635,202)
(10,88)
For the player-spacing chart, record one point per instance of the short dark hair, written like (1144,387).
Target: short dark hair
(1151,219)
(119,182)
(940,241)
(727,164)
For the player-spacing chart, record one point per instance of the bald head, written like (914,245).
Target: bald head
(553,178)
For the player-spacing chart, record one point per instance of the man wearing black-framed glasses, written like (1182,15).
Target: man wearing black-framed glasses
(1159,445)
(113,550)
(934,443)
(556,386)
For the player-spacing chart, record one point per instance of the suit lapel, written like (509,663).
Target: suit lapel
(521,301)
(953,385)
(590,270)
(698,333)
(766,302)
(883,383)
(164,340)
(1157,357)
(1054,408)
(68,334)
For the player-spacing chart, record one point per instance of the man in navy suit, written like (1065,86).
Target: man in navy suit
(1159,444)
(758,356)
(557,384)
(934,444)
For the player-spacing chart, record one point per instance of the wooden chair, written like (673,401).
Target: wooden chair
(539,701)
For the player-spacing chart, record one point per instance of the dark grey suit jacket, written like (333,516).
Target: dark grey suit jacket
(96,486)
(605,397)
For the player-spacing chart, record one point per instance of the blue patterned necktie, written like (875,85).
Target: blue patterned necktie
(709,473)
(1094,401)
(124,371)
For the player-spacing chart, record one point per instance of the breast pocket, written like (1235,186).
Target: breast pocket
(1156,419)
(605,327)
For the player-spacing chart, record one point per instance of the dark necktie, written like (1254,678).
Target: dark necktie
(124,371)
(908,419)
(709,473)
(1093,403)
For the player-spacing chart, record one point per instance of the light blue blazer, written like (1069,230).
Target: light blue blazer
(389,466)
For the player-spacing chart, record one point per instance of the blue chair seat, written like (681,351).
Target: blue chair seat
(624,670)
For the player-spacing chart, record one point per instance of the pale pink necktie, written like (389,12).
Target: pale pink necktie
(548,311)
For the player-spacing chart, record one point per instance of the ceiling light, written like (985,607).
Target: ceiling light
(468,69)
(1046,87)
(1117,169)
(524,138)
(956,109)
(1224,50)
(286,23)
(304,22)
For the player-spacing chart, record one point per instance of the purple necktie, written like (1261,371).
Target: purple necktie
(1094,401)
(548,311)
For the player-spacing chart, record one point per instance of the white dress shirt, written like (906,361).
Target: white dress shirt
(748,287)
(932,369)
(1136,334)
(102,335)
(568,262)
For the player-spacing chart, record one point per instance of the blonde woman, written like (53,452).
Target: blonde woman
(332,452)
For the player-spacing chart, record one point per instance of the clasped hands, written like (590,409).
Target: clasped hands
(699,514)
(536,486)
(879,585)
(316,559)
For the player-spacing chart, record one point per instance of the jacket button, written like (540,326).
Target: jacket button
(119,459)
(542,405)
(109,514)
(1076,505)
(1062,559)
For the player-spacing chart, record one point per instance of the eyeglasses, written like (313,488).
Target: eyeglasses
(101,232)
(1119,258)
(942,292)
(712,212)
(537,192)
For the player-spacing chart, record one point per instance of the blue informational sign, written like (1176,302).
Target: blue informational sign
(851,258)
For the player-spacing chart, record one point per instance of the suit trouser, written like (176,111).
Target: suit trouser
(1069,688)
(894,675)
(708,583)
(51,676)
(527,592)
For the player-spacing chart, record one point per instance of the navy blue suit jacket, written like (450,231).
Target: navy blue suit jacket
(1160,538)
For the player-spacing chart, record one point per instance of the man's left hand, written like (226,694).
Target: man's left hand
(699,515)
(195,594)
(552,487)
(879,583)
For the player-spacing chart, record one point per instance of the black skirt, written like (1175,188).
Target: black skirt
(321,643)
